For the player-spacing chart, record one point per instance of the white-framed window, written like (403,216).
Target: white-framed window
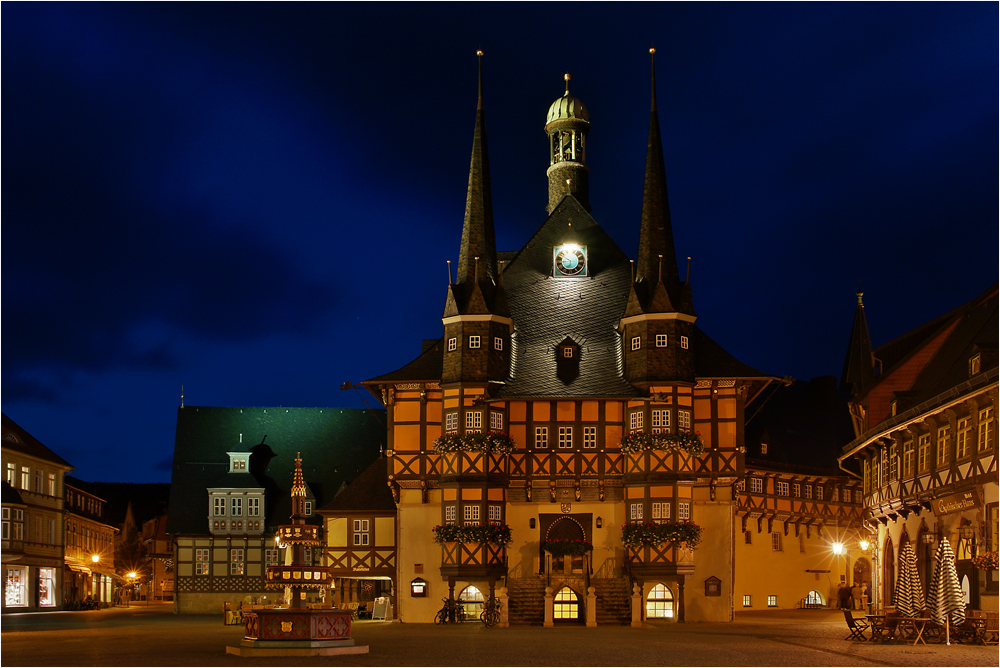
(451,422)
(776,541)
(497,343)
(635,511)
(271,556)
(52,484)
(782,488)
(636,342)
(237,561)
(985,428)
(660,420)
(656,511)
(474,341)
(943,444)
(908,458)
(496,421)
(201,561)
(308,508)
(660,603)
(449,514)
(26,478)
(589,437)
(219,506)
(893,463)
(741,485)
(253,506)
(684,342)
(684,420)
(772,601)
(16,586)
(470,513)
(756,485)
(5,524)
(541,437)
(565,437)
(361,533)
(307,555)
(11,474)
(683,510)
(237,463)
(567,352)
(809,491)
(796,489)
(747,598)
(819,492)
(847,495)
(494,512)
(452,344)
(635,421)
(473,421)
(236,506)
(661,340)
(962,438)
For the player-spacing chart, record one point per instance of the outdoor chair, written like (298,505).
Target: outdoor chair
(992,632)
(884,630)
(856,626)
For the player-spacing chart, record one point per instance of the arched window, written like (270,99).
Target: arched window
(472,600)
(814,599)
(660,603)
(566,605)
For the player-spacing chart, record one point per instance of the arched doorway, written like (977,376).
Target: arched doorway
(566,606)
(814,599)
(862,572)
(888,572)
(660,603)
(566,528)
(472,600)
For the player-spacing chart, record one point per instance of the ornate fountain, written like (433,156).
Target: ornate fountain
(297,630)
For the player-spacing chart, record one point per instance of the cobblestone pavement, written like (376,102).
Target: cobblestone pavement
(155,637)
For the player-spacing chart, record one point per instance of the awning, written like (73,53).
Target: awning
(78,569)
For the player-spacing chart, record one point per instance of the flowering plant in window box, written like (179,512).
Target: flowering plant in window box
(987,561)
(496,442)
(640,534)
(567,546)
(688,442)
(484,532)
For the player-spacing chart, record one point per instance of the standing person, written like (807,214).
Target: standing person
(844,595)
(856,595)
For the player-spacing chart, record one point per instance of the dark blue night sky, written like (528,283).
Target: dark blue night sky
(257,201)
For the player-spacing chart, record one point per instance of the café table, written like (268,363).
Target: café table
(876,622)
(914,628)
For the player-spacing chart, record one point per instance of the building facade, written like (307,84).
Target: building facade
(925,420)
(32,521)
(89,548)
(574,402)
(229,491)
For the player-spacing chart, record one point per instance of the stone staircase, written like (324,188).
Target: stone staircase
(614,602)
(526,601)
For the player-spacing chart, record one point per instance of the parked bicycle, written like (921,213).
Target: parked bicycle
(491,612)
(451,612)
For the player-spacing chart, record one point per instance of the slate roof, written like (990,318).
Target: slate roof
(336,446)
(368,492)
(17,439)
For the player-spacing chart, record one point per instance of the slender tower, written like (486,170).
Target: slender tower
(567,125)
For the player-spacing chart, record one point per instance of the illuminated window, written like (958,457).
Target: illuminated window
(772,601)
(452,344)
(962,438)
(661,340)
(473,421)
(684,342)
(472,600)
(819,492)
(26,478)
(660,420)
(636,342)
(907,458)
(541,437)
(565,437)
(451,423)
(635,511)
(497,343)
(943,444)
(893,462)
(11,474)
(473,341)
(590,437)
(684,420)
(566,604)
(756,485)
(660,604)
(271,556)
(52,484)
(746,600)
(361,535)
(237,562)
(985,428)
(923,452)
(975,364)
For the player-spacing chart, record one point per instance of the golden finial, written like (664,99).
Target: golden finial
(479,52)
(652,50)
(567,77)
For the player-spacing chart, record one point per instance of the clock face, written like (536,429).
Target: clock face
(569,260)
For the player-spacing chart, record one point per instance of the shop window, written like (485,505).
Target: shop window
(660,603)
(472,600)
(566,605)
(237,561)
(15,587)
(46,587)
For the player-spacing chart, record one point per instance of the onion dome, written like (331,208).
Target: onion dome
(567,107)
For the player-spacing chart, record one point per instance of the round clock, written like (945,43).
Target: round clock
(571,261)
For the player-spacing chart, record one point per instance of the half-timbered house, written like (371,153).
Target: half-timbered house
(925,419)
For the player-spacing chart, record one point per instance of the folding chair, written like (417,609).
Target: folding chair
(856,626)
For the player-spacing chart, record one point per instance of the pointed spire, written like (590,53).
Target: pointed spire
(655,234)
(477,231)
(859,364)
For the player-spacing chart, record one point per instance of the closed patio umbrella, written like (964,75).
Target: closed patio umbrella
(944,597)
(909,593)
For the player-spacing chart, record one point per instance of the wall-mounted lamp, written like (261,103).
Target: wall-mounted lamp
(600,523)
(864,545)
(838,548)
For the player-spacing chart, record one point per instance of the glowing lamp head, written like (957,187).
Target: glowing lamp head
(95,558)
(838,548)
(864,544)
(132,574)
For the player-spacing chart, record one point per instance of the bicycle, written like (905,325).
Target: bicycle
(450,613)
(491,612)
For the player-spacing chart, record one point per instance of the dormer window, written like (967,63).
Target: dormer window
(567,352)
(308,508)
(238,462)
(975,364)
